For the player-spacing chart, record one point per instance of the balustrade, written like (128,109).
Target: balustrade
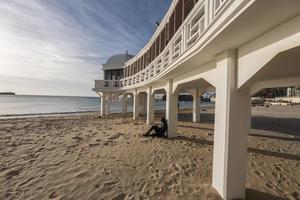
(107,85)
(190,31)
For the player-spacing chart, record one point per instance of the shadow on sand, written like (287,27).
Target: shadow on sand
(290,126)
(192,140)
(275,154)
(252,194)
(195,127)
(250,150)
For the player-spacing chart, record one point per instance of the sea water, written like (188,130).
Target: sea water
(23,105)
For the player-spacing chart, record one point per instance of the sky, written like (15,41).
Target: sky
(56,47)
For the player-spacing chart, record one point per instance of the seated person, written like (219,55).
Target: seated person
(159,131)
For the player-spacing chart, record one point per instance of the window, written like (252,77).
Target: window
(188,6)
(162,39)
(157,50)
(171,26)
(178,15)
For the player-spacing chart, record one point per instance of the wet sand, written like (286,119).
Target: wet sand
(87,157)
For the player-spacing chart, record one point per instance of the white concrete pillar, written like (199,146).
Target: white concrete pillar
(135,104)
(143,103)
(196,105)
(107,109)
(124,104)
(150,106)
(209,11)
(103,104)
(232,124)
(171,109)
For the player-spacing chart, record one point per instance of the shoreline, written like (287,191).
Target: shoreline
(158,111)
(54,114)
(12,116)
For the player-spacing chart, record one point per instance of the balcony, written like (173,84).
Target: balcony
(107,85)
(199,20)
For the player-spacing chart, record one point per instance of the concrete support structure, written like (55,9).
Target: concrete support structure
(150,106)
(124,104)
(196,105)
(143,103)
(136,104)
(267,55)
(104,107)
(171,109)
(103,104)
(107,110)
(232,124)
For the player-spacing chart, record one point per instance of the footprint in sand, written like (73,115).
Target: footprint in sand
(114,137)
(150,166)
(53,195)
(269,185)
(77,138)
(121,196)
(12,173)
(93,144)
(111,183)
(106,171)
(261,174)
(278,168)
(143,186)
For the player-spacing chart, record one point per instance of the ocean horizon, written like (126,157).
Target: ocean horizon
(35,105)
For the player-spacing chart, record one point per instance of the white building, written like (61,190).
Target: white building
(237,47)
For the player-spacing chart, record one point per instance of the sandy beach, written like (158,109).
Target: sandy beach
(88,157)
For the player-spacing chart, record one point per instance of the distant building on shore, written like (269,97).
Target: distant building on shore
(279,92)
(293,91)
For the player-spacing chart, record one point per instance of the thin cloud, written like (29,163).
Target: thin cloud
(44,43)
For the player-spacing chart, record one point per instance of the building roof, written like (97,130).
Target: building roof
(116,61)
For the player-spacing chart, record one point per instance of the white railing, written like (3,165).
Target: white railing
(102,85)
(218,5)
(186,36)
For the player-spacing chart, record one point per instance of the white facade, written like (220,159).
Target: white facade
(238,47)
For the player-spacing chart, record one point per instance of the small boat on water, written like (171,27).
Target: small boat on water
(7,93)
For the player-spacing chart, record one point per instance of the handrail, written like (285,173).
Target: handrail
(154,36)
(107,85)
(190,31)
(176,46)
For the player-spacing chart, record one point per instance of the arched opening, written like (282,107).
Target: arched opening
(273,141)
(196,99)
(159,103)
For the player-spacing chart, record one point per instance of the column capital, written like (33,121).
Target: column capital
(226,54)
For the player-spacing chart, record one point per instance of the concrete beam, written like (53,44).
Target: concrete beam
(285,82)
(256,54)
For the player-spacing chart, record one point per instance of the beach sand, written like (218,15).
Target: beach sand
(87,157)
